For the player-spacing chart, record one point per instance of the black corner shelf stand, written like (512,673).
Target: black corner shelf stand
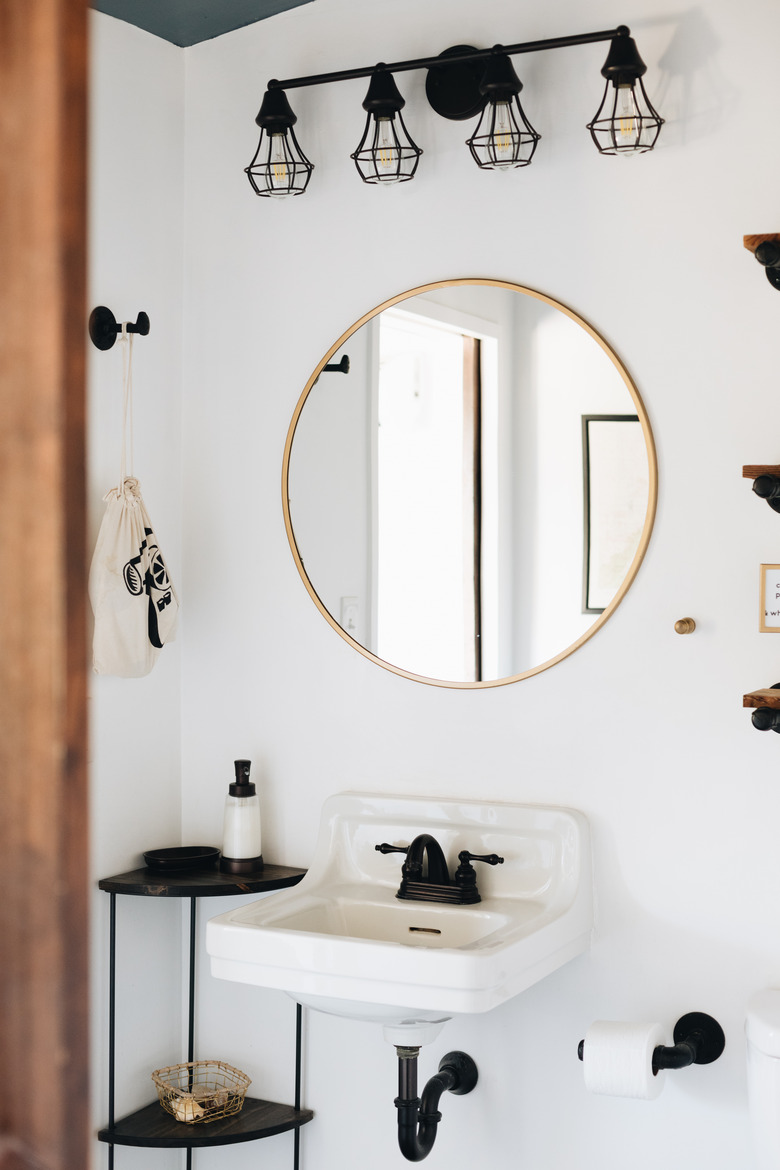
(152,1126)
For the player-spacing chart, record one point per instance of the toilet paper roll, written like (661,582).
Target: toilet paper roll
(618,1059)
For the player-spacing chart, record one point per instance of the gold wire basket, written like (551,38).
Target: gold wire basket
(201,1090)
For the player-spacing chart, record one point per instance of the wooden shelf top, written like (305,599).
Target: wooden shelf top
(767,698)
(200,883)
(753,470)
(152,1126)
(752,242)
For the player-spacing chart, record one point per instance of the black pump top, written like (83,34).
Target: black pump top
(242,786)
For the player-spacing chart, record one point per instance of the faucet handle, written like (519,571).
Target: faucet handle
(490,858)
(466,877)
(385,848)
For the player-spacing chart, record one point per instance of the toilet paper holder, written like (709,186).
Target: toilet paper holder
(698,1039)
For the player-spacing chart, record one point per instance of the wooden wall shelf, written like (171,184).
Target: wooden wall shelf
(766,250)
(752,242)
(765,476)
(766,708)
(753,470)
(766,698)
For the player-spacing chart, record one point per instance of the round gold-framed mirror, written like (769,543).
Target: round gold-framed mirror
(469,502)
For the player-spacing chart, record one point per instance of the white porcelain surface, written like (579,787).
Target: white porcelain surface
(762,1027)
(342,942)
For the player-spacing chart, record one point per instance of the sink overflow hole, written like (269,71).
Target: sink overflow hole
(423,930)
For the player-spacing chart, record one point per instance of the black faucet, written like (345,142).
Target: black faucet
(436,886)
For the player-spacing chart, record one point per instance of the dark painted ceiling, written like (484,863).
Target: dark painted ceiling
(185,22)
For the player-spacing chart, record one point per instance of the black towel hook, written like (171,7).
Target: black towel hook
(103,327)
(341,367)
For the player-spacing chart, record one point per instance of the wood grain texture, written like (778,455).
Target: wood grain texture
(753,470)
(43,924)
(752,242)
(766,698)
(13,1157)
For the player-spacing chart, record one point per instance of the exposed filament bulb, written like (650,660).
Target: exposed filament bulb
(278,160)
(627,114)
(386,147)
(502,139)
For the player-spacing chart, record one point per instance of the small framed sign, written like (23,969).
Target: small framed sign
(769,613)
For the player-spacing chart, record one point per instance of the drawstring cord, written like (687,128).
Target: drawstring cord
(126,343)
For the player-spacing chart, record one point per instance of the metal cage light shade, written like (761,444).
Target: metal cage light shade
(504,138)
(386,152)
(625,122)
(279,166)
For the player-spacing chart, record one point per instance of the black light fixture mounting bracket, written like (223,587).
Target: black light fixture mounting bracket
(462,82)
(455,76)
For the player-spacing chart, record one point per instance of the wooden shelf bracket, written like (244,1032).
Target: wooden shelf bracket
(766,481)
(766,708)
(766,250)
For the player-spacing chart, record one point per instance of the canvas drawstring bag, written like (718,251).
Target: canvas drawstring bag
(132,596)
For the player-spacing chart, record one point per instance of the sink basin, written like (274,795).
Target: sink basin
(341,941)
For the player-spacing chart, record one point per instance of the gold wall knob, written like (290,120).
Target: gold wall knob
(684,626)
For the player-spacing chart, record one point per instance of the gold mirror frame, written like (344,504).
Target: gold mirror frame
(652,493)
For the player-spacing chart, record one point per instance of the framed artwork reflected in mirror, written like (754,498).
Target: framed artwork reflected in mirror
(614,498)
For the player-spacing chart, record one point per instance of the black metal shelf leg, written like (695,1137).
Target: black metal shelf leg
(191,1003)
(191,1021)
(298,1050)
(111,1021)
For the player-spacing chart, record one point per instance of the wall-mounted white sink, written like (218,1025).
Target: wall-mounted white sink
(342,942)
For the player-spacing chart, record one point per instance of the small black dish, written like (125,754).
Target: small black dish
(182,857)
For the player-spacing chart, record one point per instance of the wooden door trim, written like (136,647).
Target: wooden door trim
(44,1106)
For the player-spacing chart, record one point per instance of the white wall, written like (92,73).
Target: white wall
(137,144)
(641,729)
(332,527)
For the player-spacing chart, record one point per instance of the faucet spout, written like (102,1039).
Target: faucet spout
(422,847)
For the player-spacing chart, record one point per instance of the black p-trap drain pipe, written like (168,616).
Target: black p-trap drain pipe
(418,1118)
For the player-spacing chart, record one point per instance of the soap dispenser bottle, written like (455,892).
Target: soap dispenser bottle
(241,839)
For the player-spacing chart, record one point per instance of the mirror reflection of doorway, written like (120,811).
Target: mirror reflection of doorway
(428,556)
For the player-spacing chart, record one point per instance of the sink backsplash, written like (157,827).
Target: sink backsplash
(540,845)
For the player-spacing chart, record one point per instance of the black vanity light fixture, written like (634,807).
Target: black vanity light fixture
(279,166)
(385,153)
(462,83)
(625,122)
(504,138)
